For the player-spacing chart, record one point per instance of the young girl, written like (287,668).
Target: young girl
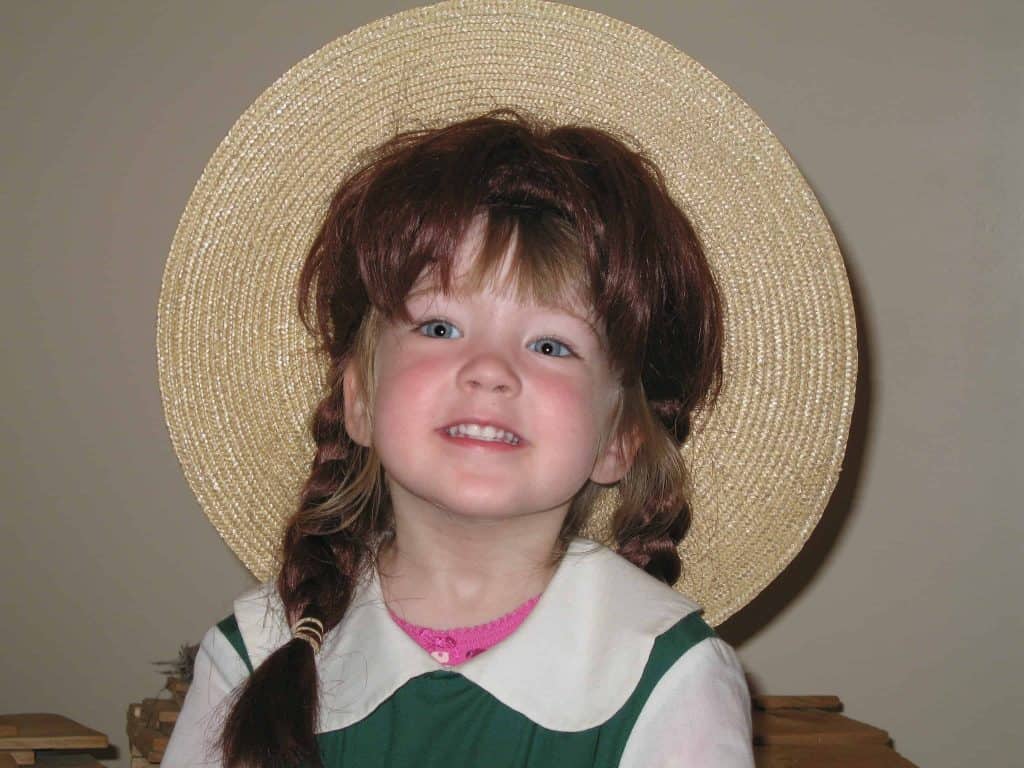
(517,317)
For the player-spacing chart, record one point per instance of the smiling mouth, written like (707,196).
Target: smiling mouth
(485,434)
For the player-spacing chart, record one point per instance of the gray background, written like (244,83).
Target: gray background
(900,115)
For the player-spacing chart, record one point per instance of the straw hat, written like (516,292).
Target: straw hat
(238,375)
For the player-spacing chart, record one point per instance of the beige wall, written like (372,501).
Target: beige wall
(900,114)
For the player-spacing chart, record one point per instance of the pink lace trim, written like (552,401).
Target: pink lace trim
(454,646)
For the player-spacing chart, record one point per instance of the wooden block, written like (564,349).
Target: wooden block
(169,716)
(830,703)
(49,731)
(140,762)
(831,755)
(809,727)
(153,708)
(155,757)
(23,756)
(150,740)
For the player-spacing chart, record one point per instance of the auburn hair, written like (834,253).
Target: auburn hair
(585,215)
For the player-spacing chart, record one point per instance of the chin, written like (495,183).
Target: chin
(485,509)
(478,499)
(493,510)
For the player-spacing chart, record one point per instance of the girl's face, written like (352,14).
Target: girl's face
(469,362)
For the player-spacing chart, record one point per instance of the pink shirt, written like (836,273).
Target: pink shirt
(454,646)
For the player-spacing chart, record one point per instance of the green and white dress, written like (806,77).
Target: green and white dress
(611,668)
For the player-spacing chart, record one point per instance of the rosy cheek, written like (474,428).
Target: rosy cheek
(404,384)
(567,404)
(423,372)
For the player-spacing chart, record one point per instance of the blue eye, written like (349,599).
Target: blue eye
(442,329)
(438,329)
(548,343)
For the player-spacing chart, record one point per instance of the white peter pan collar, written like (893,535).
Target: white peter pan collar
(569,666)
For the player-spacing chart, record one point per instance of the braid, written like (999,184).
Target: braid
(326,549)
(650,539)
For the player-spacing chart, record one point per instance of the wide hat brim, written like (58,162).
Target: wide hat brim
(238,374)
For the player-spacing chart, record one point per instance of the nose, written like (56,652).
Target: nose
(487,372)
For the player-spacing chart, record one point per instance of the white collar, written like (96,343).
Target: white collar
(570,666)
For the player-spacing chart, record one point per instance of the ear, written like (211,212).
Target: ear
(616,459)
(357,421)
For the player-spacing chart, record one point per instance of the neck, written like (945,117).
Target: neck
(443,570)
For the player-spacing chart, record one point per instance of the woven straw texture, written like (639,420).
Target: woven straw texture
(237,373)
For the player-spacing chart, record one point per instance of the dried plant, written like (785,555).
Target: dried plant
(181,667)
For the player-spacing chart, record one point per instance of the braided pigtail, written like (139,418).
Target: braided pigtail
(664,316)
(682,372)
(328,546)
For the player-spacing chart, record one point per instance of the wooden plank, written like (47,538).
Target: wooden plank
(152,709)
(831,755)
(793,726)
(44,730)
(830,703)
(23,756)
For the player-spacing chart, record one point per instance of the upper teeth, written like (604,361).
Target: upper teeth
(483,433)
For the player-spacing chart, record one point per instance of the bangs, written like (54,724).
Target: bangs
(524,254)
(546,261)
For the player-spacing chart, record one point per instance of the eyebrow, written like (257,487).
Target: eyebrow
(420,291)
